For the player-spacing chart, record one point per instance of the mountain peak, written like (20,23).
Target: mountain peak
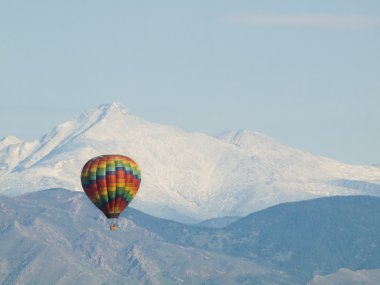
(186,176)
(8,140)
(112,107)
(244,137)
(91,117)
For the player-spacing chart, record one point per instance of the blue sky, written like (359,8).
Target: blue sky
(306,73)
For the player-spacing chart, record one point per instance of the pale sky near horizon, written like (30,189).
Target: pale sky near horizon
(306,73)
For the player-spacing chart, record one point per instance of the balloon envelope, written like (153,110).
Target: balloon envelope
(111,182)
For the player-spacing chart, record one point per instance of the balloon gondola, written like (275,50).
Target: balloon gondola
(111,182)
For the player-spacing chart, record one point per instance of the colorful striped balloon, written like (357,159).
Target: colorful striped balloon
(111,182)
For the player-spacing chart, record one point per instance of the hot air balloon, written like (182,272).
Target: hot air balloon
(111,182)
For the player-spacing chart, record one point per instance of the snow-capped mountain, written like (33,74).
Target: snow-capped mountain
(185,176)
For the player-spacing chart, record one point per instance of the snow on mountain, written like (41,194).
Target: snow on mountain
(13,150)
(8,140)
(185,176)
(295,163)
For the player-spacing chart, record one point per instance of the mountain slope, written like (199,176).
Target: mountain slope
(305,238)
(216,223)
(185,176)
(348,277)
(308,237)
(57,237)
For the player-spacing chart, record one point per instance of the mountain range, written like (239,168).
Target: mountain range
(57,236)
(188,177)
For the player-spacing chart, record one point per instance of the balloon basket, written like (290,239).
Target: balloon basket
(113,227)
